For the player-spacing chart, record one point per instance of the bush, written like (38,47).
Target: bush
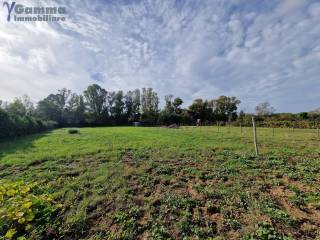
(73,131)
(13,125)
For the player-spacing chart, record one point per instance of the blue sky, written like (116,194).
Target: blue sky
(257,50)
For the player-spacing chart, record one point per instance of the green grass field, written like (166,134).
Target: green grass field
(160,183)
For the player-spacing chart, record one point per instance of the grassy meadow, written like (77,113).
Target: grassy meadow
(161,183)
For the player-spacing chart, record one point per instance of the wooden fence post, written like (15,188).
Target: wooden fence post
(318,132)
(241,128)
(255,136)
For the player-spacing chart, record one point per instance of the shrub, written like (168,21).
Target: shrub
(73,131)
(13,125)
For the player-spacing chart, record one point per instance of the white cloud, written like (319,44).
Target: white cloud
(258,52)
(289,6)
(314,10)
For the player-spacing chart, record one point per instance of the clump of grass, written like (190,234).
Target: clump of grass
(73,131)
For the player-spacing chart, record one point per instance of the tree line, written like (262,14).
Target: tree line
(98,107)
(20,118)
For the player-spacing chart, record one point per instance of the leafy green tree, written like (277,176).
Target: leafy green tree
(4,123)
(96,99)
(264,109)
(200,109)
(49,109)
(136,105)
(172,113)
(18,118)
(149,105)
(169,108)
(225,108)
(132,105)
(75,110)
(117,108)
(303,115)
(17,107)
(177,102)
(62,98)
(54,106)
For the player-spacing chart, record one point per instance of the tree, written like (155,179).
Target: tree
(17,107)
(169,108)
(18,118)
(117,110)
(177,102)
(28,105)
(264,109)
(21,106)
(200,109)
(171,112)
(149,105)
(303,115)
(53,107)
(62,98)
(225,107)
(75,110)
(49,109)
(128,102)
(136,105)
(132,105)
(96,98)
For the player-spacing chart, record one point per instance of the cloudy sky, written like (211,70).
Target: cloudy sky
(257,50)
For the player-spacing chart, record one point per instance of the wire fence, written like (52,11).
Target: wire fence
(267,139)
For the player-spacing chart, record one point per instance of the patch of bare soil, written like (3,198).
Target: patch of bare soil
(308,218)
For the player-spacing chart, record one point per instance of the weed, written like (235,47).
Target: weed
(266,232)
(22,209)
(273,211)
